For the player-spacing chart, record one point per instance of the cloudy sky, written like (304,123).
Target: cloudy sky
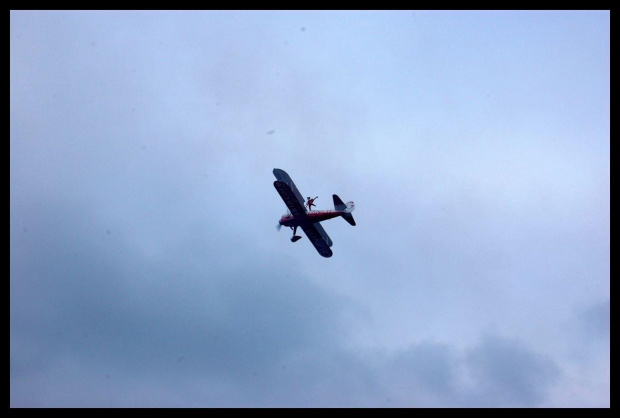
(146,269)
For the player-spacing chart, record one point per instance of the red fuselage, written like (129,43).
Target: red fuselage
(312,216)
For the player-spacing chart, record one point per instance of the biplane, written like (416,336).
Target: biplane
(309,220)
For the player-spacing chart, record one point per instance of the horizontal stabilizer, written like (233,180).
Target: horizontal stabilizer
(338,203)
(349,218)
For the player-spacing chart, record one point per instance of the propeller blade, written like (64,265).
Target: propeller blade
(279,226)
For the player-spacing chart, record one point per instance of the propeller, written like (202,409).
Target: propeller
(279,226)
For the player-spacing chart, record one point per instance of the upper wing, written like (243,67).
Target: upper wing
(282,176)
(316,239)
(290,200)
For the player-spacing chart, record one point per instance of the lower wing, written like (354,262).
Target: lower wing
(317,240)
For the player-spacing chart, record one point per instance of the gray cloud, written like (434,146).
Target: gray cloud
(509,374)
(94,299)
(493,372)
(594,320)
(87,311)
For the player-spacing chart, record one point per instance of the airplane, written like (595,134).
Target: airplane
(308,220)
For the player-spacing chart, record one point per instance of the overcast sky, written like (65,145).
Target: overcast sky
(146,269)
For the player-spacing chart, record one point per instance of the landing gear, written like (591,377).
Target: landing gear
(295,237)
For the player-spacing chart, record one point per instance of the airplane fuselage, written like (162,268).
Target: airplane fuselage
(313,216)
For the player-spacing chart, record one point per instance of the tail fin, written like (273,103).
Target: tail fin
(347,208)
